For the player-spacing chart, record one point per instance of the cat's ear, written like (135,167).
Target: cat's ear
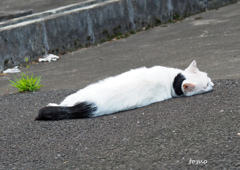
(188,87)
(192,67)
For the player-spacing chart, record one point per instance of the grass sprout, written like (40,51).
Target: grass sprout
(27,83)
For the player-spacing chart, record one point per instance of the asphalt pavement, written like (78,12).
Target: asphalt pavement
(199,132)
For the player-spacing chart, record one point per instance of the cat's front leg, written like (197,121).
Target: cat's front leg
(52,104)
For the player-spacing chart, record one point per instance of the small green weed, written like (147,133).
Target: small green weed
(27,83)
(133,32)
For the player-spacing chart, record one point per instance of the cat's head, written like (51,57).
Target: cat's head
(196,82)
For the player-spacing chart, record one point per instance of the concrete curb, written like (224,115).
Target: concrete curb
(89,24)
(13,14)
(49,12)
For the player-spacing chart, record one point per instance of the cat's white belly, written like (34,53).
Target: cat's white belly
(110,101)
(126,102)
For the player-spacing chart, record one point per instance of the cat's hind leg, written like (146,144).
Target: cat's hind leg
(52,104)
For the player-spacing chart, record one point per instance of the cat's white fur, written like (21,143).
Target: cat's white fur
(138,88)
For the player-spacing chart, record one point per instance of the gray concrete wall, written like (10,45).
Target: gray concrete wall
(91,24)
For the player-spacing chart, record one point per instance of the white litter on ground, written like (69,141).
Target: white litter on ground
(49,58)
(12,70)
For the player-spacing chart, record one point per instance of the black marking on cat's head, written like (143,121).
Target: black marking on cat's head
(177,84)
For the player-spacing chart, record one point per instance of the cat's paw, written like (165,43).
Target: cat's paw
(52,104)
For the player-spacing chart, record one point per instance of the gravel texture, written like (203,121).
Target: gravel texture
(166,135)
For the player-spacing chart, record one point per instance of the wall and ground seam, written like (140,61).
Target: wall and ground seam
(92,22)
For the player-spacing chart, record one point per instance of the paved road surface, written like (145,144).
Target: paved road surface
(166,135)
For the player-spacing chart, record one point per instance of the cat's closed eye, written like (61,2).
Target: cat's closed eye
(207,85)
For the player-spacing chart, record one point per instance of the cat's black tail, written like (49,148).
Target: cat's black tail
(79,111)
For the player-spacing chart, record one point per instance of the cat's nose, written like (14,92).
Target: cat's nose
(212,83)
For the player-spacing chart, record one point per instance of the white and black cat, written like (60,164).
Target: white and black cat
(133,89)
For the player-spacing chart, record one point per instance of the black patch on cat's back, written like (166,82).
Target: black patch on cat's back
(177,84)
